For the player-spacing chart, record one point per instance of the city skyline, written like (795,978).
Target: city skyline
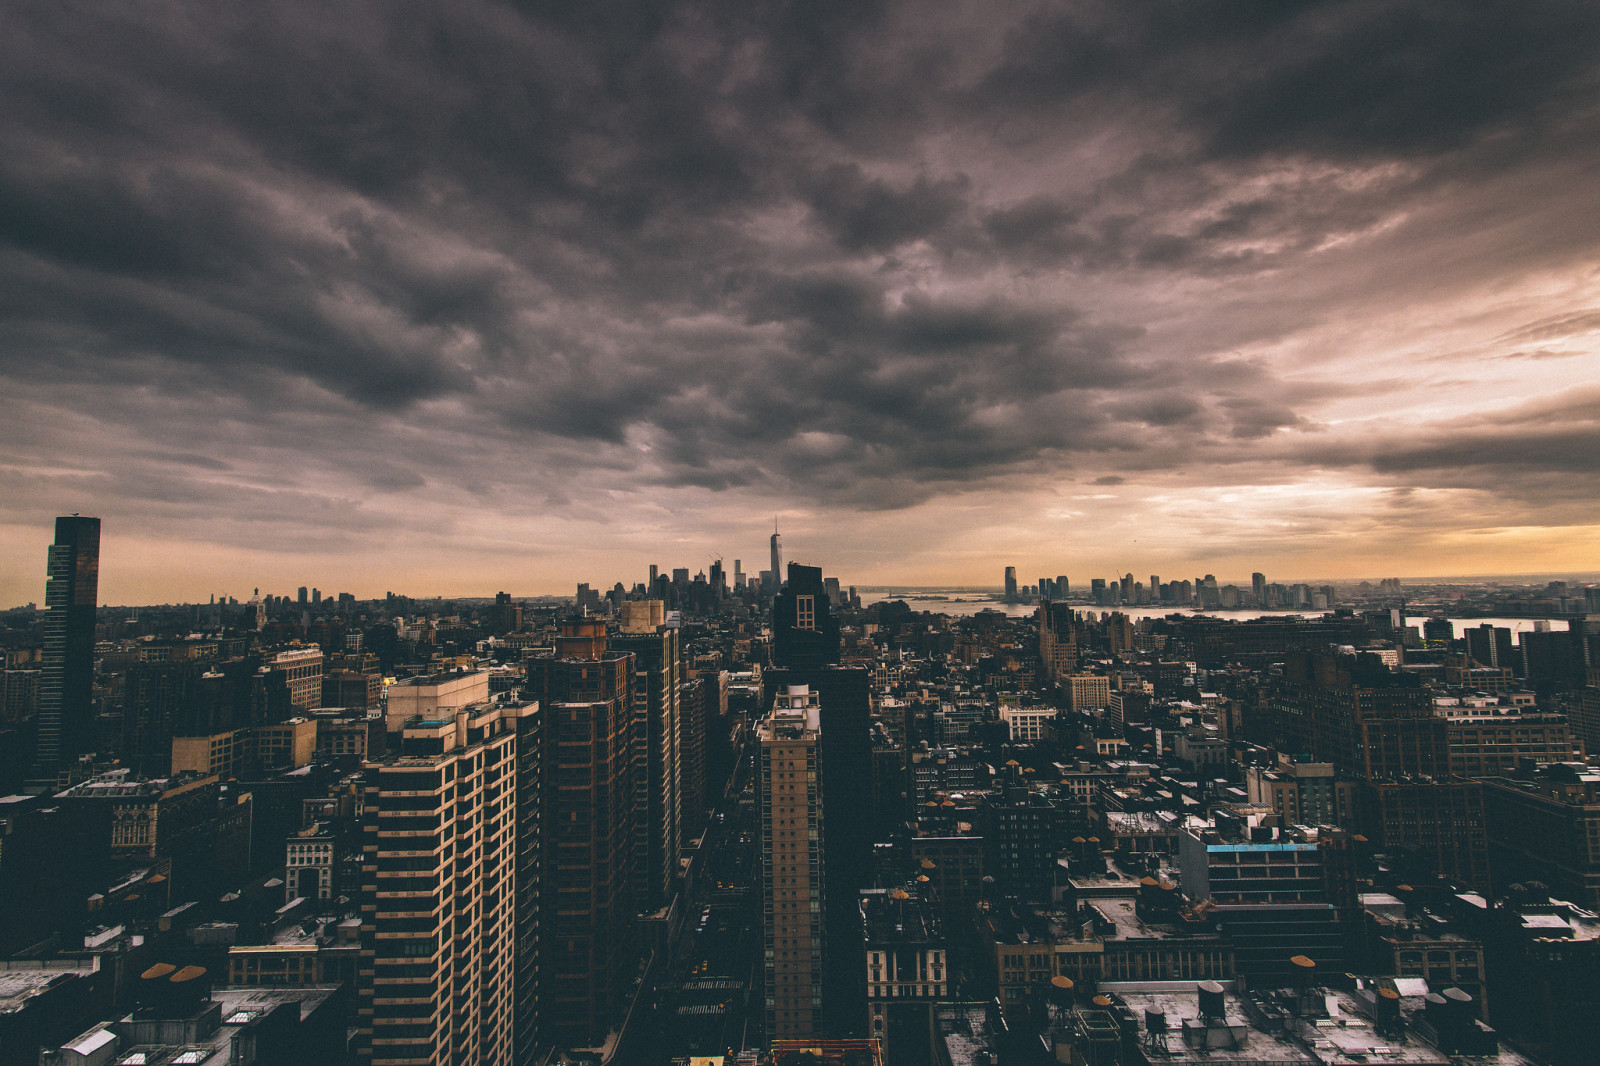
(312,595)
(465,298)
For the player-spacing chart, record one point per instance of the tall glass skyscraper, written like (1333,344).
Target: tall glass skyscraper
(63,726)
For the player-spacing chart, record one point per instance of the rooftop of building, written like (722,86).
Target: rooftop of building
(1559,920)
(1143,821)
(1120,912)
(317,934)
(898,916)
(1250,829)
(123,784)
(1029,925)
(1336,1029)
(342,715)
(1500,715)
(239,1001)
(1091,881)
(1100,918)
(965,1031)
(22,979)
(441,678)
(1177,1003)
(1402,921)
(237,1008)
(1572,782)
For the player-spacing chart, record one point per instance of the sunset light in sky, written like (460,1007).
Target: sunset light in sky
(449,299)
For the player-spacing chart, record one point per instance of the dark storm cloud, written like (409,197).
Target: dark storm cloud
(1399,78)
(854,252)
(1384,77)
(1539,453)
(1251,418)
(862,213)
(1168,409)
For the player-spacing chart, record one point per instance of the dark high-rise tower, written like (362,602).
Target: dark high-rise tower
(1491,646)
(777,560)
(588,909)
(805,651)
(1058,639)
(804,631)
(658,736)
(159,701)
(1011,584)
(64,721)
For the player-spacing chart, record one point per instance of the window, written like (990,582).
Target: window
(805,608)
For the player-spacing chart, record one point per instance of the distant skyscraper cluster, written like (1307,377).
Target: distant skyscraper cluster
(1204,592)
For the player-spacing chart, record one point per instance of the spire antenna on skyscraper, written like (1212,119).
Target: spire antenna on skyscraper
(777,557)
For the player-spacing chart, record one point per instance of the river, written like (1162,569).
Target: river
(969,601)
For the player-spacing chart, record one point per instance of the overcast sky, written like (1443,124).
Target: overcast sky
(458,297)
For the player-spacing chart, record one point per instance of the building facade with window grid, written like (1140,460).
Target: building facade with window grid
(791,864)
(442,887)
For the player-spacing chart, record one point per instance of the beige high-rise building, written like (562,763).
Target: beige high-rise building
(428,694)
(449,939)
(791,863)
(302,669)
(641,616)
(1087,691)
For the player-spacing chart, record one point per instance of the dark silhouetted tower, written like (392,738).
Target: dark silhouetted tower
(588,910)
(805,651)
(64,723)
(1491,646)
(804,631)
(658,734)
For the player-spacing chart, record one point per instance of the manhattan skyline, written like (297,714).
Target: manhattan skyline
(481,297)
